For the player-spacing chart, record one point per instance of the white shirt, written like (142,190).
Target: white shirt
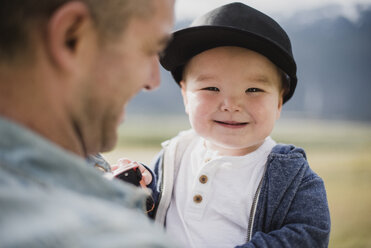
(213,194)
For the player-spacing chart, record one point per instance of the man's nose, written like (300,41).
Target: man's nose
(231,104)
(154,78)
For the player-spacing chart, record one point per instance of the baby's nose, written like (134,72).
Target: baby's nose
(231,104)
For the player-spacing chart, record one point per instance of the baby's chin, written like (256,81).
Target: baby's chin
(232,147)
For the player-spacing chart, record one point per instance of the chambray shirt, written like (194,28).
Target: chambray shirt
(50,197)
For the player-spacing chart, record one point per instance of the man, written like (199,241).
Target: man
(67,70)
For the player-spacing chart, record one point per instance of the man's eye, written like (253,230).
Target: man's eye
(253,90)
(211,89)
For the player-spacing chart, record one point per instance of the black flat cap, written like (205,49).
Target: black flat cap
(234,24)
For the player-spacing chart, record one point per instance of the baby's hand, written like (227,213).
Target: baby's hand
(124,164)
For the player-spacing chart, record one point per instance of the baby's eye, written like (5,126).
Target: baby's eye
(253,90)
(211,89)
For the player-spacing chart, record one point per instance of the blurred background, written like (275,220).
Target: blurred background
(329,114)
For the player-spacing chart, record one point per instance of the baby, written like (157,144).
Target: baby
(226,182)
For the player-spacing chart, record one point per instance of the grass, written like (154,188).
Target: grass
(340,152)
(347,175)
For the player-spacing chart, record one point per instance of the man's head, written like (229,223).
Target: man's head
(237,25)
(78,63)
(19,18)
(233,96)
(125,67)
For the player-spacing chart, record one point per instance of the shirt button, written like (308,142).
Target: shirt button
(207,160)
(203,179)
(197,198)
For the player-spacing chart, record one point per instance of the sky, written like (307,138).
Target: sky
(190,9)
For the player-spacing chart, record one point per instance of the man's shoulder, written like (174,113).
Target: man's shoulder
(38,214)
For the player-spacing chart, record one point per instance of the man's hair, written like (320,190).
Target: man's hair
(18,18)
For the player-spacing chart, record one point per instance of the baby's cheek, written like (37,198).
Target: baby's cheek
(199,113)
(203,106)
(200,123)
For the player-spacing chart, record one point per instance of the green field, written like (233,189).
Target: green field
(340,152)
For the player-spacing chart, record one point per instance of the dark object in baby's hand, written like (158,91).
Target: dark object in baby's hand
(132,176)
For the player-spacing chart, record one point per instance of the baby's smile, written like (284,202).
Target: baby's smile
(232,124)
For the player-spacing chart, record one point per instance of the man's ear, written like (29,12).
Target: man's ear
(184,95)
(67,30)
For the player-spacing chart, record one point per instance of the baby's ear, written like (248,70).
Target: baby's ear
(184,95)
(280,103)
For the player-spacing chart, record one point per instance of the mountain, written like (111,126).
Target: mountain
(334,67)
(333,55)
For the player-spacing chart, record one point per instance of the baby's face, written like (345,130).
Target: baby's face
(233,97)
